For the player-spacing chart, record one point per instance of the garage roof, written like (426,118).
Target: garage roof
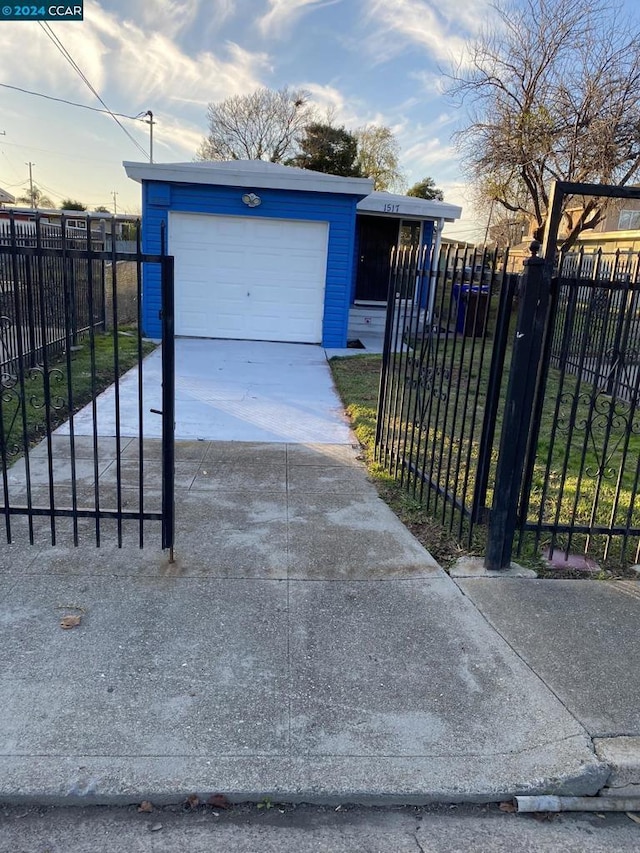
(248,173)
(407,207)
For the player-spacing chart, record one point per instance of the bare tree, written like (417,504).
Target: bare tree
(553,90)
(378,157)
(265,125)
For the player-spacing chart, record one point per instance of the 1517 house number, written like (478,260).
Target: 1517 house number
(391,208)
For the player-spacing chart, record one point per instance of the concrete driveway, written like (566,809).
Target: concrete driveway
(231,391)
(302,647)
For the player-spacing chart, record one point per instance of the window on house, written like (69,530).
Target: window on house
(409,233)
(629,220)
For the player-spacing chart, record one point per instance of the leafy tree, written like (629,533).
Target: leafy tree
(72,204)
(129,230)
(325,148)
(553,92)
(36,199)
(426,188)
(102,209)
(378,157)
(264,125)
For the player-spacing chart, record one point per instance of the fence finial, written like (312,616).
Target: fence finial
(534,248)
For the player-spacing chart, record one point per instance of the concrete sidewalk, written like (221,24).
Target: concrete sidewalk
(303,647)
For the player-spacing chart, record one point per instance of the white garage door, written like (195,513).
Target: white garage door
(250,278)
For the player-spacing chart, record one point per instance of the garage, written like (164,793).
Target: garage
(274,292)
(262,251)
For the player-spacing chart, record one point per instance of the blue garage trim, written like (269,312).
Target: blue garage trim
(338,209)
(427,240)
(427,233)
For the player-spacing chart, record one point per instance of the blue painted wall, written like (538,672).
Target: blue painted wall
(338,210)
(427,240)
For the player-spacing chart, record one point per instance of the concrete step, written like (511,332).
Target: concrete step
(367,323)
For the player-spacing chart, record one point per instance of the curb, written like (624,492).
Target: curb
(622,756)
(561,769)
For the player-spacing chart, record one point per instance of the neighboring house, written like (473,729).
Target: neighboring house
(6,198)
(270,252)
(620,230)
(103,225)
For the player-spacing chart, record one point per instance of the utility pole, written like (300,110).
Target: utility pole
(486,233)
(31,193)
(115,206)
(150,122)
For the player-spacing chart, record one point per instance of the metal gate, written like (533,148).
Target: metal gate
(513,402)
(74,460)
(448,321)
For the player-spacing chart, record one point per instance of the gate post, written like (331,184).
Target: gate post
(168,406)
(518,408)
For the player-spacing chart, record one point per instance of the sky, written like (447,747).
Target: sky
(368,61)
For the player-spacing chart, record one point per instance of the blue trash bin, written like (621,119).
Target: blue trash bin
(472,303)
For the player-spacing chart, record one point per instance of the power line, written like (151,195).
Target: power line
(56,41)
(50,190)
(26,147)
(139,117)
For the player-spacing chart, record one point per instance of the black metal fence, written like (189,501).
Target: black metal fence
(72,460)
(45,294)
(583,476)
(445,343)
(512,401)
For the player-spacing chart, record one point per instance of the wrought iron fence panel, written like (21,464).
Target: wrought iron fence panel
(435,416)
(32,251)
(583,495)
(72,464)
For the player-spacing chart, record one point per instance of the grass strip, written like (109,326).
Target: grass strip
(81,384)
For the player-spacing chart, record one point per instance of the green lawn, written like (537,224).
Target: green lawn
(79,378)
(572,439)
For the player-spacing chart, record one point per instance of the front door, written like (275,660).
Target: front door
(376,237)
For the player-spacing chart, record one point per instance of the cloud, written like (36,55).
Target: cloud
(330,101)
(172,138)
(472,15)
(423,23)
(430,152)
(283,13)
(129,66)
(40,61)
(173,17)
(161,69)
(432,83)
(424,152)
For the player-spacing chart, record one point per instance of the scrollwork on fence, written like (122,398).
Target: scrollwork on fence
(17,394)
(429,383)
(604,421)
